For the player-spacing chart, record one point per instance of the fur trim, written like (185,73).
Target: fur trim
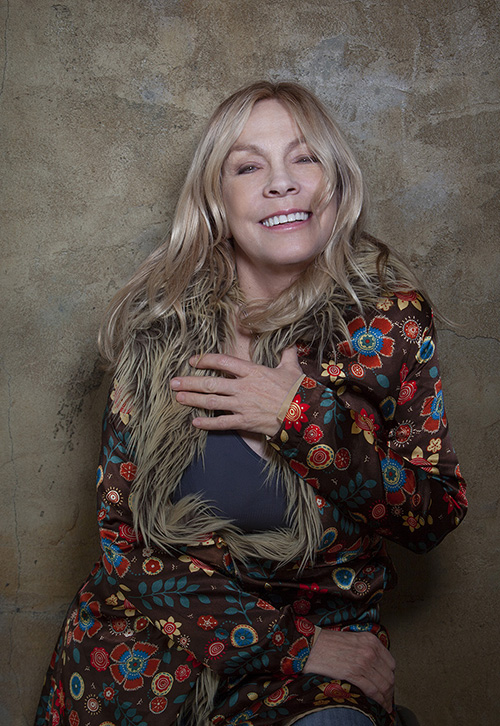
(165,443)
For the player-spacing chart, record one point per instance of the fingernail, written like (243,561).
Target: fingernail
(175,383)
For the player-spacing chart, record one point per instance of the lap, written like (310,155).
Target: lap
(334,717)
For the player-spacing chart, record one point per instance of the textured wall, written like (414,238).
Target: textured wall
(101,103)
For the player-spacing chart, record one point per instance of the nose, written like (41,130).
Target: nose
(280,183)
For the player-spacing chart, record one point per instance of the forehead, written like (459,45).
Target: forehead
(269,119)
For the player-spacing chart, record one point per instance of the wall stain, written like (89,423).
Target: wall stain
(82,383)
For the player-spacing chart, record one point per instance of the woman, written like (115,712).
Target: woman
(277,412)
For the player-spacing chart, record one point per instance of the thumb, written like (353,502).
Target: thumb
(290,359)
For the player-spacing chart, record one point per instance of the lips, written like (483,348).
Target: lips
(277,219)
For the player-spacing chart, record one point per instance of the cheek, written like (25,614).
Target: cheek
(328,217)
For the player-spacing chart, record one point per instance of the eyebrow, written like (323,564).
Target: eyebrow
(258,150)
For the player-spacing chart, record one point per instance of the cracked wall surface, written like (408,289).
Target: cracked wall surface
(101,105)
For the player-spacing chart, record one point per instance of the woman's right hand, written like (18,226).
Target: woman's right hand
(359,658)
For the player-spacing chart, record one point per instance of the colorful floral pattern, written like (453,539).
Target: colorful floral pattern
(147,622)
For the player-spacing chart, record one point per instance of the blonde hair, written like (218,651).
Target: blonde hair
(182,299)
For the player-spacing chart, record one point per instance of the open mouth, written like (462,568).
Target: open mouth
(285,219)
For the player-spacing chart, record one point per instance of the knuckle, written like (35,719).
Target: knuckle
(210,385)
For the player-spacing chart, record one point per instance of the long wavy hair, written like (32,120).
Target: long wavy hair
(182,300)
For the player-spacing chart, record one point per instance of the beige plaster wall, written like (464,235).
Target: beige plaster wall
(101,103)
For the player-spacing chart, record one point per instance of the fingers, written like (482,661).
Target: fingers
(203,384)
(359,658)
(222,362)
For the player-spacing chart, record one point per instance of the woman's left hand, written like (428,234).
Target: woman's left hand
(252,397)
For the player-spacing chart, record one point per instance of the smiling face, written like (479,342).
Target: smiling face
(269,183)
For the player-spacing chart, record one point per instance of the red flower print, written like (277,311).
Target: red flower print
(333,371)
(207,622)
(118,625)
(278,638)
(182,672)
(108,693)
(86,618)
(320,501)
(303,349)
(112,553)
(356,370)
(99,659)
(297,657)
(128,470)
(312,434)
(215,648)
(295,415)
(398,481)
(304,626)
(277,698)
(378,511)
(339,692)
(60,704)
(342,459)
(299,468)
(364,422)
(301,606)
(132,664)
(308,382)
(406,392)
(433,408)
(113,496)
(313,482)
(158,704)
(320,456)
(411,330)
(404,432)
(127,532)
(263,605)
(313,587)
(368,343)
(152,566)
(405,298)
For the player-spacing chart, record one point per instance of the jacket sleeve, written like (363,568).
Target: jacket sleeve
(191,594)
(370,431)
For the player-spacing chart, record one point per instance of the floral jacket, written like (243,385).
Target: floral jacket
(368,432)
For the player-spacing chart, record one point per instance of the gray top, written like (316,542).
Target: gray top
(232,477)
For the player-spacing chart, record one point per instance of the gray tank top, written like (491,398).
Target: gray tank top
(232,479)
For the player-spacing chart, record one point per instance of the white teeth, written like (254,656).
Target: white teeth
(284,218)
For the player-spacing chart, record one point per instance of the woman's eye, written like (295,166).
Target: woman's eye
(246,169)
(308,159)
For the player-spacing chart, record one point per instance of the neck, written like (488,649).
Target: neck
(267,284)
